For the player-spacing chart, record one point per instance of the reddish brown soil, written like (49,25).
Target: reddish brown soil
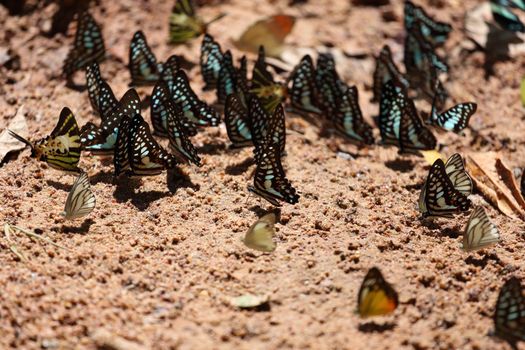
(159,258)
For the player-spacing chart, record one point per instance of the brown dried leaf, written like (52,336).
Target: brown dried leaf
(483,169)
(8,143)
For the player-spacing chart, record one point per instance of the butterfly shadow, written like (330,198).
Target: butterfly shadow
(372,327)
(125,191)
(102,176)
(82,229)
(176,179)
(401,165)
(240,168)
(58,185)
(497,47)
(212,148)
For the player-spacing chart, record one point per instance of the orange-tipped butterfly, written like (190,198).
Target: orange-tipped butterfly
(376,296)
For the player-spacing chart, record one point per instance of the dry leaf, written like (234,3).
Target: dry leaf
(487,172)
(8,143)
(248,301)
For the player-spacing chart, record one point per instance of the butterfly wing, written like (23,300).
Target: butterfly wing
(88,45)
(434,31)
(455,169)
(260,235)
(302,92)
(146,156)
(121,155)
(195,110)
(480,232)
(455,118)
(226,81)
(439,197)
(507,19)
(143,66)
(237,122)
(509,317)
(263,85)
(329,85)
(376,296)
(80,200)
(414,136)
(385,70)
(391,108)
(210,61)
(184,24)
(348,118)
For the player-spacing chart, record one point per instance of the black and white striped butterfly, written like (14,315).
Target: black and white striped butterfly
(88,46)
(434,31)
(210,61)
(100,94)
(164,109)
(455,169)
(480,232)
(503,15)
(386,70)
(237,121)
(143,66)
(270,181)
(197,111)
(80,200)
(101,140)
(159,115)
(454,119)
(137,151)
(509,316)
(438,196)
(348,119)
(303,91)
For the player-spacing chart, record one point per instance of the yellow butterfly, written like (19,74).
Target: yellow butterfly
(260,234)
(185,24)
(376,296)
(61,149)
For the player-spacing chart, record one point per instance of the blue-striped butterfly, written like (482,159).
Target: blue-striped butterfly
(169,71)
(174,117)
(137,152)
(210,62)
(264,86)
(414,136)
(237,120)
(434,31)
(101,96)
(270,181)
(61,149)
(376,296)
(88,46)
(101,140)
(385,70)
(197,111)
(143,66)
(503,15)
(348,118)
(438,196)
(329,85)
(231,80)
(509,316)
(453,119)
(303,91)
(266,128)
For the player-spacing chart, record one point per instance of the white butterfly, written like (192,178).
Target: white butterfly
(260,234)
(480,231)
(80,200)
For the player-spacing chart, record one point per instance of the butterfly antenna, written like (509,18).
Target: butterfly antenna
(19,138)
(216,18)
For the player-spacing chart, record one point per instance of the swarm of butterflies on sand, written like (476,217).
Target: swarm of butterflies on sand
(254,116)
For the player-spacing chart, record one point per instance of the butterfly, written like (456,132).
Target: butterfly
(434,31)
(101,140)
(137,151)
(376,296)
(172,119)
(260,235)
(226,82)
(348,118)
(385,70)
(438,196)
(507,19)
(303,91)
(453,119)
(184,22)
(61,149)
(414,136)
(195,110)
(266,128)
(237,122)
(101,96)
(270,181)
(329,85)
(88,46)
(210,61)
(143,66)
(80,200)
(480,232)
(455,169)
(509,316)
(263,85)
(169,71)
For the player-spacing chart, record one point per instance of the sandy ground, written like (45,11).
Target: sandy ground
(159,258)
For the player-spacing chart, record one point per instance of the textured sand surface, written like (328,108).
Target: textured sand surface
(158,259)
